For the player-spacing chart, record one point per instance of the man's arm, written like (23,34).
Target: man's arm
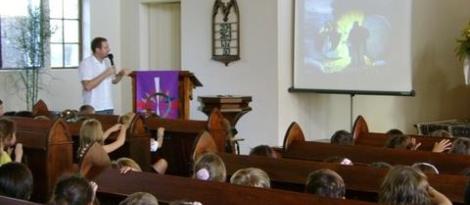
(93,83)
(118,77)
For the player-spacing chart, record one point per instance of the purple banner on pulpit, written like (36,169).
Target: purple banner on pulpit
(157,92)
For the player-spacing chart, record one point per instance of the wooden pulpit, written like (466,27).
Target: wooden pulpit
(186,83)
(231,107)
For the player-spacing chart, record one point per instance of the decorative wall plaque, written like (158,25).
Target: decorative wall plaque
(225,31)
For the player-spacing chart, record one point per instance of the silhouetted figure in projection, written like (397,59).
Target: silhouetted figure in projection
(357,42)
(333,35)
(329,39)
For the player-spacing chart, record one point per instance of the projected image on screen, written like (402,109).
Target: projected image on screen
(348,46)
(345,37)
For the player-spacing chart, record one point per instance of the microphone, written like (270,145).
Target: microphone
(111,58)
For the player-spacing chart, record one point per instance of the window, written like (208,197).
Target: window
(11,15)
(65,17)
(65,41)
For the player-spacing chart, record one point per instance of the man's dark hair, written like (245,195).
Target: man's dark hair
(16,181)
(262,150)
(72,190)
(342,137)
(394,131)
(97,43)
(1,102)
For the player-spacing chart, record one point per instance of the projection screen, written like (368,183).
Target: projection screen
(353,46)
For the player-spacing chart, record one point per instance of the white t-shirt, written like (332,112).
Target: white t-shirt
(99,97)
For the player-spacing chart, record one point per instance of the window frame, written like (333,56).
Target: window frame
(80,37)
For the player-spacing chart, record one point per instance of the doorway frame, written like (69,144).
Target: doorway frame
(144,32)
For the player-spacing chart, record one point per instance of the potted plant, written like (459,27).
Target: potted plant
(31,43)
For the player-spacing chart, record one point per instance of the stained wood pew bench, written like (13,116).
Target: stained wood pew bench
(295,147)
(136,146)
(361,182)
(362,136)
(47,147)
(445,163)
(114,187)
(12,201)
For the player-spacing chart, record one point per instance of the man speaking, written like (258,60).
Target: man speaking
(97,73)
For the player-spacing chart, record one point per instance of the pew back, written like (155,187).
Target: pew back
(291,174)
(362,136)
(446,163)
(13,201)
(169,188)
(47,149)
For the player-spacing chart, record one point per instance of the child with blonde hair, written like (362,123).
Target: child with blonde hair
(210,167)
(126,164)
(93,153)
(404,185)
(253,177)
(7,141)
(140,198)
(91,132)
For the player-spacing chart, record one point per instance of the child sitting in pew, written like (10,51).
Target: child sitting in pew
(7,141)
(461,145)
(86,110)
(91,132)
(16,181)
(326,183)
(264,151)
(93,154)
(441,133)
(398,141)
(393,132)
(161,165)
(210,167)
(342,137)
(404,185)
(252,177)
(125,165)
(140,198)
(73,190)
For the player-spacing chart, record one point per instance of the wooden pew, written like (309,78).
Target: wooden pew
(137,145)
(47,149)
(296,148)
(113,187)
(362,136)
(446,163)
(13,201)
(180,139)
(40,109)
(362,182)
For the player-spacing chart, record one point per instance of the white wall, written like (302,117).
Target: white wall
(254,75)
